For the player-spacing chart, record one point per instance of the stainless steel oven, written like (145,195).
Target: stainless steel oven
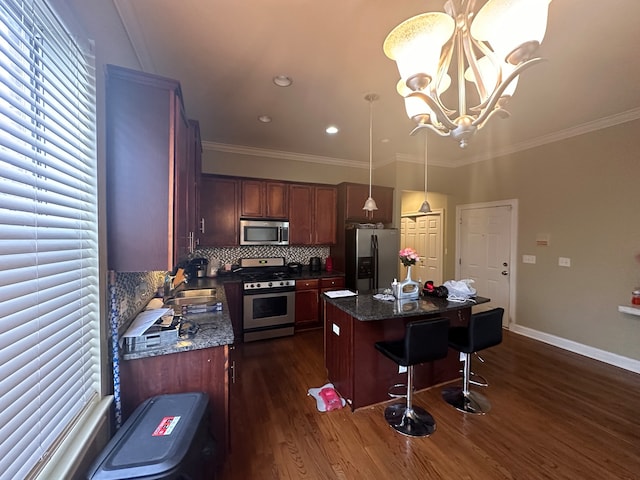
(268,299)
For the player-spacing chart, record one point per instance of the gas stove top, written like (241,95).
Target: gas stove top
(265,274)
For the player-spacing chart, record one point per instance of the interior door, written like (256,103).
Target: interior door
(486,253)
(429,235)
(424,234)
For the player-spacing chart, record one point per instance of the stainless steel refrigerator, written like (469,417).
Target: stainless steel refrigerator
(371,258)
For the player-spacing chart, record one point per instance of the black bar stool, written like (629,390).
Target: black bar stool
(424,341)
(484,331)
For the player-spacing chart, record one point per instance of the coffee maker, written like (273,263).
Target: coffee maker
(315,265)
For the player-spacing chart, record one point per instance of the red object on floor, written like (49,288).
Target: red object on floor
(331,399)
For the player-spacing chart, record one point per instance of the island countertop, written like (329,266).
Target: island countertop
(365,307)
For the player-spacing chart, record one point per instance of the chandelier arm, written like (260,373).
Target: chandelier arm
(439,113)
(482,46)
(420,126)
(468,41)
(462,92)
(495,96)
(496,111)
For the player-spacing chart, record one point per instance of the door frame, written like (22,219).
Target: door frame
(513,256)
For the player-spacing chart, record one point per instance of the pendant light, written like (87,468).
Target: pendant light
(370,203)
(425,207)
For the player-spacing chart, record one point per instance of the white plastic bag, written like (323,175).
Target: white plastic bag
(460,290)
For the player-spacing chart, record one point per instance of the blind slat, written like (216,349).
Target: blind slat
(49,300)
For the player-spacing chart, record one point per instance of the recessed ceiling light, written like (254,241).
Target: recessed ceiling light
(282,81)
(332,130)
(264,118)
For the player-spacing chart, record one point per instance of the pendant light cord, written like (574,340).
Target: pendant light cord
(425,165)
(370,140)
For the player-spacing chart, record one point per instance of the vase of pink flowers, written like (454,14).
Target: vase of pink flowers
(408,288)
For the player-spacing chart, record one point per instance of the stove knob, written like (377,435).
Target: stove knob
(258,285)
(270,284)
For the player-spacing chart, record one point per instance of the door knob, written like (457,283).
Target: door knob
(504,272)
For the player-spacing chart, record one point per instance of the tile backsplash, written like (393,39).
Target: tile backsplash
(132,292)
(233,255)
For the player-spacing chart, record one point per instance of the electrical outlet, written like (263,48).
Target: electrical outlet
(402,369)
(336,329)
(564,261)
(528,259)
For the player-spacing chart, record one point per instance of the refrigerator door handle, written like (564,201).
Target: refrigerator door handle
(374,254)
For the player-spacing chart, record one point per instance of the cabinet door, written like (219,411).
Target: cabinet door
(204,370)
(182,208)
(277,200)
(356,194)
(195,173)
(219,210)
(384,200)
(307,301)
(325,221)
(300,214)
(252,198)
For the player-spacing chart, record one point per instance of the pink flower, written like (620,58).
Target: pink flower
(408,256)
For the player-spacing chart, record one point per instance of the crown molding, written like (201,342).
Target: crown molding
(581,129)
(588,127)
(134,33)
(281,155)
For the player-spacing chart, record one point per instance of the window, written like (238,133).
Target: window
(49,301)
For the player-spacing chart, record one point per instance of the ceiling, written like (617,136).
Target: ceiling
(226,52)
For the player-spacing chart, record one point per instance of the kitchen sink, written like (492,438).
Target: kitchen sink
(197,292)
(200,296)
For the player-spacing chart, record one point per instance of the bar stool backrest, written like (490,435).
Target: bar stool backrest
(426,340)
(485,329)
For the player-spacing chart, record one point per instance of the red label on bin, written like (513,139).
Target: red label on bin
(166,426)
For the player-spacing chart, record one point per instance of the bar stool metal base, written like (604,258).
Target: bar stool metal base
(472,402)
(413,422)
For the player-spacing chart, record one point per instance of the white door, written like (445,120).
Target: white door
(429,245)
(424,234)
(486,252)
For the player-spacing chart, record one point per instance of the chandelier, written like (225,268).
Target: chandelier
(491,48)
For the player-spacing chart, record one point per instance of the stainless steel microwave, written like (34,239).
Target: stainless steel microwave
(264,232)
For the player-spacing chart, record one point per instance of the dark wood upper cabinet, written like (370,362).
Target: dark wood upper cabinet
(352,197)
(193,193)
(300,214)
(264,199)
(312,214)
(325,219)
(219,200)
(147,171)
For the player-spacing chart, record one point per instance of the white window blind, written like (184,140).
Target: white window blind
(49,305)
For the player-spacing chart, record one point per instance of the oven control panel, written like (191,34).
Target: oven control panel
(267,284)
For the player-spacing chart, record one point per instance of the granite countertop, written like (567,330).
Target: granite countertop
(365,307)
(214,330)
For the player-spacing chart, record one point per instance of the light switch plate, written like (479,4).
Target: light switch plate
(402,369)
(528,259)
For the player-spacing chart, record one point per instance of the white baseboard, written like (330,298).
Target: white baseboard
(591,352)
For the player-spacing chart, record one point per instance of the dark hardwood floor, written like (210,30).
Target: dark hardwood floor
(555,415)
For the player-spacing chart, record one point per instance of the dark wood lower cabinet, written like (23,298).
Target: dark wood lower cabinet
(307,304)
(205,370)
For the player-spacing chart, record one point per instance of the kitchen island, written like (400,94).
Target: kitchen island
(360,373)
